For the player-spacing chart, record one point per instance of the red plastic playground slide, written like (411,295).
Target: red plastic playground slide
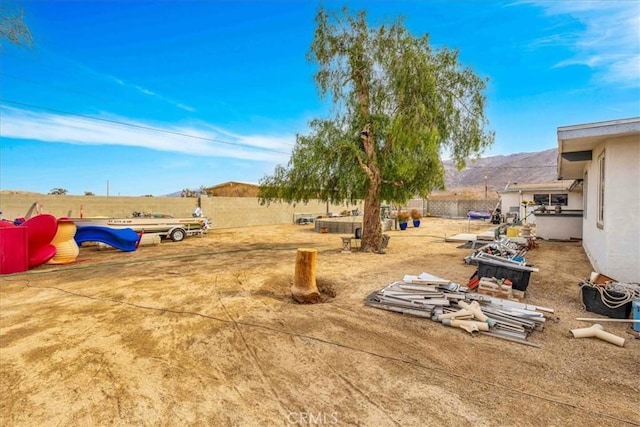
(40,231)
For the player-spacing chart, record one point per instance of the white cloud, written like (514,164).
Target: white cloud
(185,107)
(138,88)
(163,98)
(609,43)
(145,91)
(269,142)
(200,139)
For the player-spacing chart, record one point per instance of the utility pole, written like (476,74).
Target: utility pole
(485,186)
(486,200)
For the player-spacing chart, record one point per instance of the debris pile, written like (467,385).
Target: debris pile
(456,306)
(502,260)
(505,249)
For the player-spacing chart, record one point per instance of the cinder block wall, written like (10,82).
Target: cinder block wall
(228,212)
(17,205)
(451,207)
(223,212)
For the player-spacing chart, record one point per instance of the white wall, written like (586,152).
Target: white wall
(508,201)
(511,199)
(614,249)
(561,227)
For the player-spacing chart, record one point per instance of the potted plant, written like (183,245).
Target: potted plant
(415,216)
(403,218)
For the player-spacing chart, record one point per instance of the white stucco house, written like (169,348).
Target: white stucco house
(524,200)
(605,157)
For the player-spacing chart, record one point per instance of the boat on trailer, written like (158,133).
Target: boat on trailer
(175,229)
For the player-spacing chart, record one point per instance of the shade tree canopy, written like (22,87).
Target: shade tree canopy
(13,29)
(398,104)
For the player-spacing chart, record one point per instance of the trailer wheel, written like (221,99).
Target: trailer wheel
(177,235)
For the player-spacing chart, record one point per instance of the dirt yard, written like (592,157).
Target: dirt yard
(204,332)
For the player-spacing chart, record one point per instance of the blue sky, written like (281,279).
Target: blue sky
(150,97)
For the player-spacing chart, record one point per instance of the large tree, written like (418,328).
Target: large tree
(12,26)
(399,105)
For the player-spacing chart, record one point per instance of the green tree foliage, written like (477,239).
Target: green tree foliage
(58,191)
(398,104)
(12,26)
(89,193)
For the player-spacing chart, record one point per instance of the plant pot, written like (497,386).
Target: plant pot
(403,226)
(416,223)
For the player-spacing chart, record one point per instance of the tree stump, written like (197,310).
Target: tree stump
(305,288)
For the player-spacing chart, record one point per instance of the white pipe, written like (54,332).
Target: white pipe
(475,309)
(459,315)
(593,319)
(468,325)
(507,303)
(598,331)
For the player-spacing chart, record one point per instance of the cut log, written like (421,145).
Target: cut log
(305,288)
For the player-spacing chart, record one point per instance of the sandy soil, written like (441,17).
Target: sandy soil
(204,332)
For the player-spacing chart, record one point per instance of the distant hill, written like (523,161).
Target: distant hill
(520,168)
(537,167)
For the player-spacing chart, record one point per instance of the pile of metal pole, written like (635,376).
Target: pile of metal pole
(504,248)
(453,305)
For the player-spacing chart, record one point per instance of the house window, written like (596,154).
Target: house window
(601,191)
(585,191)
(541,199)
(551,199)
(559,199)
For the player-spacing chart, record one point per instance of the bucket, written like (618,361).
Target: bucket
(636,314)
(512,232)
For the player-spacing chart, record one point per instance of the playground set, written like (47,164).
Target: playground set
(32,241)
(25,244)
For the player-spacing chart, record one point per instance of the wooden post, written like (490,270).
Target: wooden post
(305,289)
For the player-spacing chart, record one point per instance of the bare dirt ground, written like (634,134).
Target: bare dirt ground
(204,332)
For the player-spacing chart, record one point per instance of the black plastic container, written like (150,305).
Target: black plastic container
(592,299)
(519,278)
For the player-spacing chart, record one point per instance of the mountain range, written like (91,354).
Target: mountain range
(494,172)
(497,171)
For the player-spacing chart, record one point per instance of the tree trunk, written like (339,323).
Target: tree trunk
(371,229)
(305,288)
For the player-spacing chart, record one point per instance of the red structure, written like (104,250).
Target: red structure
(14,251)
(41,229)
(27,245)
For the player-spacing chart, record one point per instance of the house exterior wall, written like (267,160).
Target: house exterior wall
(234,189)
(614,247)
(509,201)
(559,226)
(514,199)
